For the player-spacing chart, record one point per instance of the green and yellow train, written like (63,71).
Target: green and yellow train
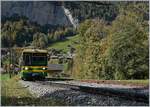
(34,64)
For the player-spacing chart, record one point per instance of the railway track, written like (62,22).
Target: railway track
(135,94)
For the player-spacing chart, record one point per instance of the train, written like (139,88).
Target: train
(33,64)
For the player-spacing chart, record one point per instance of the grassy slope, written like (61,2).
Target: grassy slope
(13,94)
(63,45)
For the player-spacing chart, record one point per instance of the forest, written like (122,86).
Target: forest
(119,50)
(19,32)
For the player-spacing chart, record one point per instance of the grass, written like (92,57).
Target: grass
(4,77)
(63,45)
(123,82)
(13,94)
(140,82)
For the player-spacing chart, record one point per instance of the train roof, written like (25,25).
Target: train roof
(35,51)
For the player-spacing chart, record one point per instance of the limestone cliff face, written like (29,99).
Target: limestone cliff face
(36,11)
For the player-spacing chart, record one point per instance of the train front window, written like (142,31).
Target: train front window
(34,59)
(27,59)
(39,59)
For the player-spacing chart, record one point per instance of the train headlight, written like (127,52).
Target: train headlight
(44,68)
(26,68)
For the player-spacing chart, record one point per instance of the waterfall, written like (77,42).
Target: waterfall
(73,21)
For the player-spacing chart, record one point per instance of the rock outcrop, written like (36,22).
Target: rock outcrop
(45,12)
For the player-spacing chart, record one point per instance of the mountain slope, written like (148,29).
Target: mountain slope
(40,12)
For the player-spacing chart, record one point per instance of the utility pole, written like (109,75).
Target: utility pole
(9,62)
(10,43)
(12,61)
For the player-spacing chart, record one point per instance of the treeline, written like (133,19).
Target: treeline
(116,51)
(82,10)
(19,31)
(106,10)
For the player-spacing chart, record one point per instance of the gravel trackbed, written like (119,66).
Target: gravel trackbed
(75,97)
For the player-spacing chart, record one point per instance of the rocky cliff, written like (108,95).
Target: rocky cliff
(36,11)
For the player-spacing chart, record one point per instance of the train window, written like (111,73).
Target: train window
(39,60)
(35,59)
(27,59)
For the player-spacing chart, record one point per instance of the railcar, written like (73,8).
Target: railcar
(33,64)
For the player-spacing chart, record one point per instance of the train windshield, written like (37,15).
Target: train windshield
(27,59)
(35,59)
(39,59)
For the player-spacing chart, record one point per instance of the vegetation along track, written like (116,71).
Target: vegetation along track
(137,94)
